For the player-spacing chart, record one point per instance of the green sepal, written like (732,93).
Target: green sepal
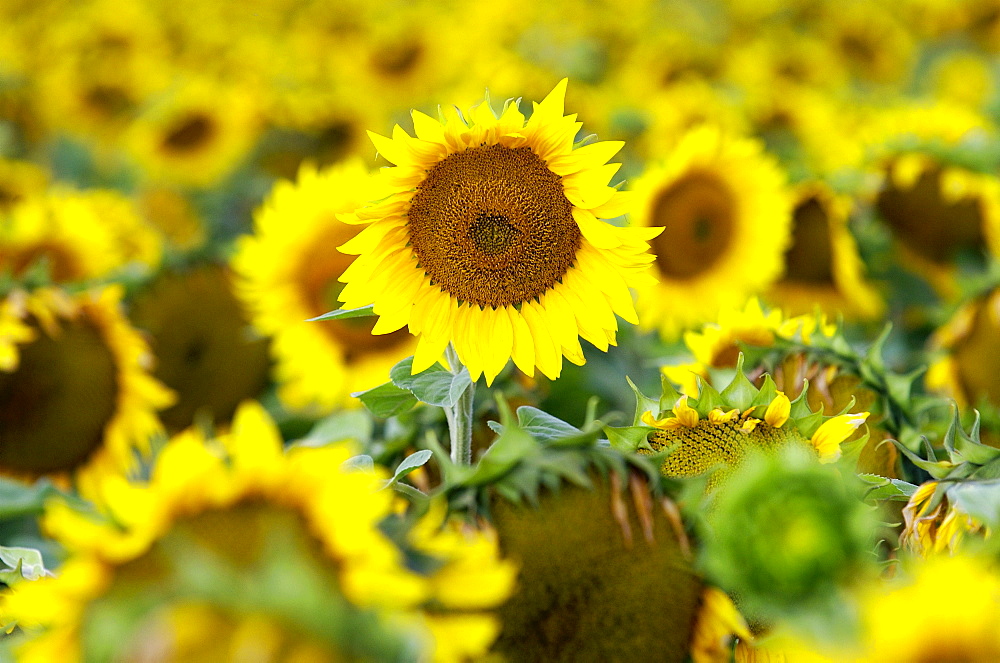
(740,392)
(629,438)
(643,403)
(346,313)
(709,399)
(767,393)
(23,563)
(883,488)
(668,395)
(978,499)
(937,469)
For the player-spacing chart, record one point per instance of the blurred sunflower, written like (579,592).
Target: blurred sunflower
(967,367)
(822,265)
(287,274)
(76,236)
(493,240)
(945,608)
(205,348)
(20,180)
(226,522)
(173,216)
(75,393)
(869,39)
(725,213)
(938,212)
(196,135)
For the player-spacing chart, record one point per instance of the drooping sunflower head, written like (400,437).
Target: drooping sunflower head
(966,368)
(75,392)
(822,264)
(725,215)
(493,239)
(713,434)
(287,274)
(234,525)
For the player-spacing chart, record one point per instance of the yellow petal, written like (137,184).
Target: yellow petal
(778,410)
(827,438)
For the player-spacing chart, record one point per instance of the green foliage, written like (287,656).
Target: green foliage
(345,314)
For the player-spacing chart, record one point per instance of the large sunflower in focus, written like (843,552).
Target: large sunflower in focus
(492,239)
(287,275)
(726,215)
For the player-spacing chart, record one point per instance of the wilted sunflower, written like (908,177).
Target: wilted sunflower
(725,213)
(493,240)
(287,274)
(822,265)
(968,368)
(214,524)
(75,392)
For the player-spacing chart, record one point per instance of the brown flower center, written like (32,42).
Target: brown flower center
(492,226)
(927,224)
(55,405)
(810,257)
(190,133)
(203,344)
(698,212)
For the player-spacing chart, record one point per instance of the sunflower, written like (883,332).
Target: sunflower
(205,348)
(937,212)
(945,608)
(933,524)
(195,136)
(286,275)
(76,236)
(726,214)
(492,239)
(75,393)
(968,356)
(822,265)
(869,39)
(20,180)
(219,517)
(715,433)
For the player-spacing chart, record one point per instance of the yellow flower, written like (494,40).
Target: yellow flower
(287,274)
(493,240)
(968,356)
(937,530)
(76,236)
(20,180)
(822,265)
(718,623)
(238,500)
(205,349)
(725,213)
(827,438)
(946,608)
(195,136)
(778,410)
(76,397)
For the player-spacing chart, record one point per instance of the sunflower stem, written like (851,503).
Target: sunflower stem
(460,415)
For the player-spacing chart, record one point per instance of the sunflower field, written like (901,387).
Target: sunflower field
(433,331)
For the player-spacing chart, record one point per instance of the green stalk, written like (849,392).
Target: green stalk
(460,416)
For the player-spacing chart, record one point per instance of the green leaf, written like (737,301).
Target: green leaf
(25,563)
(435,386)
(628,438)
(543,426)
(508,449)
(346,425)
(361,463)
(387,400)
(345,313)
(18,499)
(643,403)
(410,463)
